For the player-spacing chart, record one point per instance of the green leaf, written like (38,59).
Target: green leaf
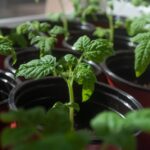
(35,27)
(55,17)
(62,123)
(23,28)
(138,24)
(123,142)
(98,50)
(142,53)
(140,37)
(138,120)
(43,133)
(23,121)
(12,137)
(32,35)
(18,39)
(81,43)
(85,76)
(37,68)
(44,27)
(94,50)
(78,140)
(6,48)
(68,141)
(108,125)
(89,10)
(28,26)
(119,23)
(67,62)
(93,1)
(87,91)
(8,117)
(77,8)
(33,114)
(101,32)
(73,105)
(57,30)
(45,44)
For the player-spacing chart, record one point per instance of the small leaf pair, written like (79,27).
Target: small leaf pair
(115,130)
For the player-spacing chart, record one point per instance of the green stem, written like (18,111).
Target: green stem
(111,26)
(110,19)
(71,95)
(80,59)
(84,12)
(54,73)
(64,19)
(71,100)
(83,17)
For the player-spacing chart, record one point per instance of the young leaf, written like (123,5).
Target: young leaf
(37,68)
(32,35)
(44,27)
(94,50)
(6,48)
(27,27)
(101,32)
(23,28)
(98,50)
(57,30)
(84,76)
(55,17)
(34,27)
(45,44)
(81,44)
(142,53)
(89,8)
(67,62)
(18,39)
